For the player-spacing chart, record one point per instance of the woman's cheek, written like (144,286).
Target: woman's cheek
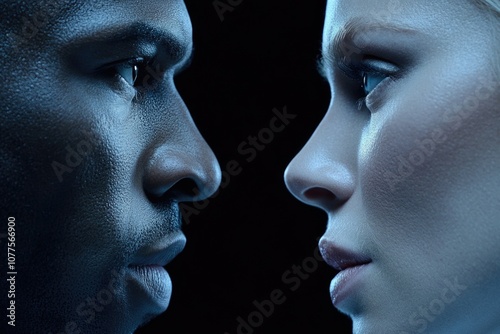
(421,150)
(408,139)
(403,158)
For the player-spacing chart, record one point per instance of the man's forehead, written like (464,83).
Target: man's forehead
(67,20)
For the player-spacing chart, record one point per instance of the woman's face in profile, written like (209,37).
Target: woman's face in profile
(97,150)
(406,164)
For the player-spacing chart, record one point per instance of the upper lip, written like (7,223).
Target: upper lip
(340,258)
(161,252)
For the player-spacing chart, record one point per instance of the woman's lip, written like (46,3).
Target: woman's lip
(350,265)
(340,258)
(345,283)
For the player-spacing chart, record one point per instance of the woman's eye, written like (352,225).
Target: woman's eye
(371,80)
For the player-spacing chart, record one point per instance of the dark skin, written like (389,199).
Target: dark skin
(98,149)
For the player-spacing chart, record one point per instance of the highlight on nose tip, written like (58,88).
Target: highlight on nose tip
(298,183)
(325,186)
(208,181)
(292,181)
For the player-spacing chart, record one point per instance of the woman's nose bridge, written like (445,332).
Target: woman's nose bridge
(334,142)
(327,161)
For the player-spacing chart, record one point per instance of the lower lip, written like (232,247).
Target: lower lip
(155,283)
(345,282)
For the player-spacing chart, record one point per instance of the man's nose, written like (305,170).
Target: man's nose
(183,167)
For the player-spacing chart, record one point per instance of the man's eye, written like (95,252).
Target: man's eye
(129,72)
(371,80)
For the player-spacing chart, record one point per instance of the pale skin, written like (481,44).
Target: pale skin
(411,180)
(98,148)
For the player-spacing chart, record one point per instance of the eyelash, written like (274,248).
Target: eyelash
(359,72)
(146,73)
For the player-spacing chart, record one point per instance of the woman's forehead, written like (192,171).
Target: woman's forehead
(437,17)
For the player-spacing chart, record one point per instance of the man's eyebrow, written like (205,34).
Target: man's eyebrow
(346,46)
(141,35)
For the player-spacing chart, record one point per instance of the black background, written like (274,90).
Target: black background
(261,56)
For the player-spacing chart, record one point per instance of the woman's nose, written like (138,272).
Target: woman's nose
(322,173)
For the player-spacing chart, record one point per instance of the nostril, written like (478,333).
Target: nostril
(184,190)
(322,197)
(315,194)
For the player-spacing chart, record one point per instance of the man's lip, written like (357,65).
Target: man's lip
(340,258)
(162,252)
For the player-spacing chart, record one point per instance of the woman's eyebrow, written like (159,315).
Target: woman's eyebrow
(350,40)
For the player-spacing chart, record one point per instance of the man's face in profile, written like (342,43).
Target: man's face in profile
(97,150)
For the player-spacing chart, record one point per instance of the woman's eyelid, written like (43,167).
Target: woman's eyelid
(370,66)
(367,65)
(379,65)
(382,70)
